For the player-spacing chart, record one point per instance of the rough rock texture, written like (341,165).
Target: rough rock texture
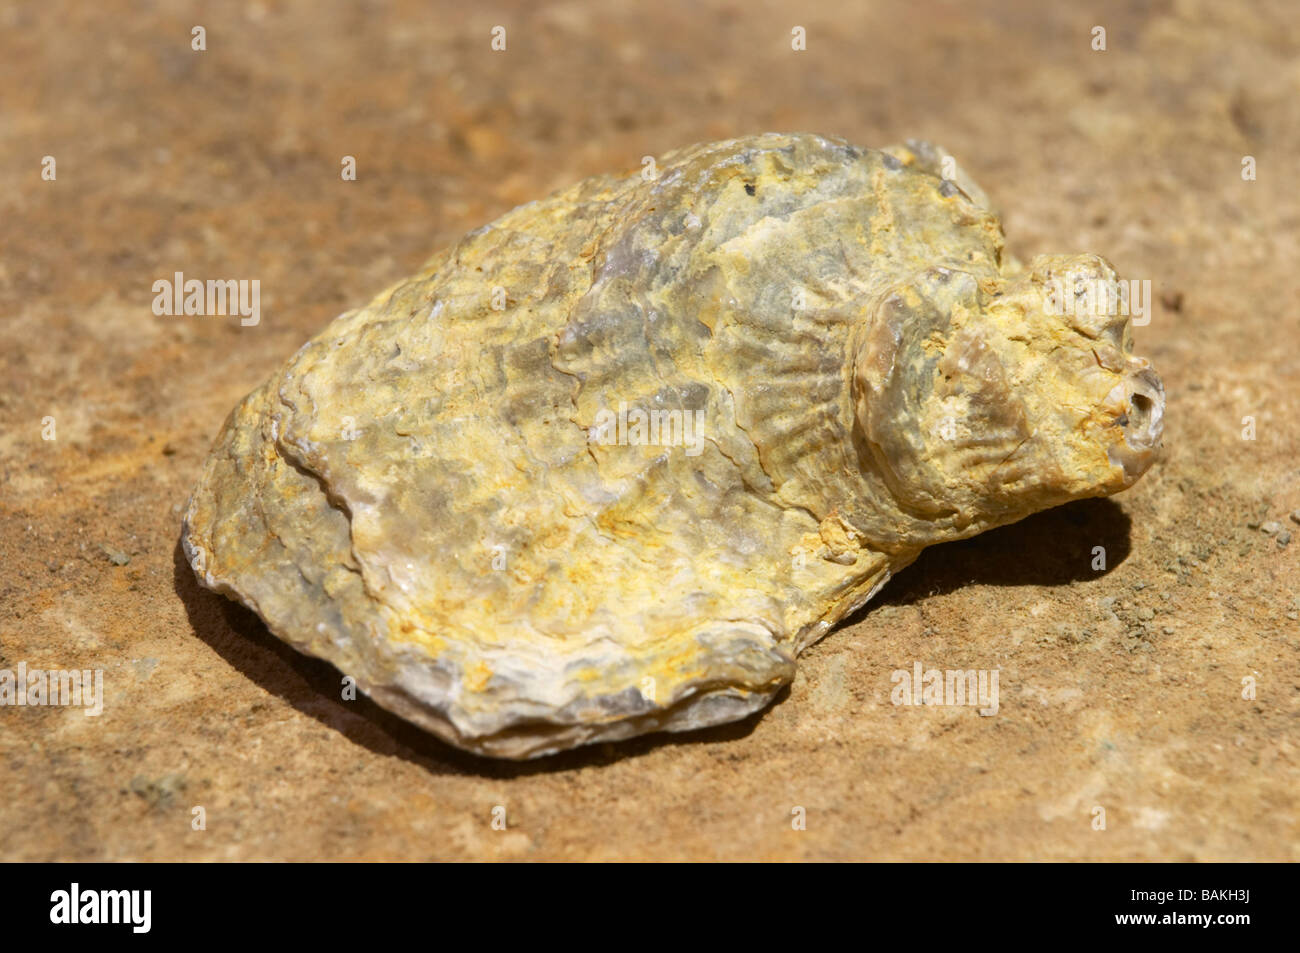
(837,368)
(1121,687)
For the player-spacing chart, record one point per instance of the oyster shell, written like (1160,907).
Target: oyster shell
(610,463)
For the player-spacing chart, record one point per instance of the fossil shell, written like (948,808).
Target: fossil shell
(610,463)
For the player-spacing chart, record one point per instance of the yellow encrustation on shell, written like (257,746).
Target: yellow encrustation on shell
(607,465)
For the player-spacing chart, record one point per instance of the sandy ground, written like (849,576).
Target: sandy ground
(1120,690)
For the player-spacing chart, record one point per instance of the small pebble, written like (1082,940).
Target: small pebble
(115,556)
(1295,516)
(1145,614)
(1271,527)
(1284,537)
